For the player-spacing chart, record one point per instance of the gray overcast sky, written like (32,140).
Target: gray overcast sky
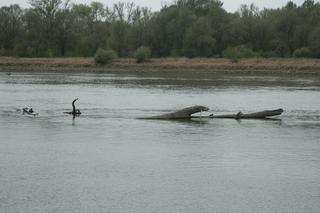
(230,5)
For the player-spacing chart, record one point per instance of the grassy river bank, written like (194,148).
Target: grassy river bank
(201,65)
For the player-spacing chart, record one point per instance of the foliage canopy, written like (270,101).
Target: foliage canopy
(191,28)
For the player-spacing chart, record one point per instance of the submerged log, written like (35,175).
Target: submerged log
(180,114)
(256,115)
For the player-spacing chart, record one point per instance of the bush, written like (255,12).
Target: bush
(235,53)
(247,53)
(104,56)
(2,52)
(302,53)
(269,54)
(142,53)
(20,50)
(279,49)
(50,53)
(232,54)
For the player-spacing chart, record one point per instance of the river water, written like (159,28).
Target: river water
(106,160)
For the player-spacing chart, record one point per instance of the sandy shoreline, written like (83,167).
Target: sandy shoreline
(201,65)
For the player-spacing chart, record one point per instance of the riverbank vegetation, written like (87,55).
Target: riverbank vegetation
(176,65)
(183,28)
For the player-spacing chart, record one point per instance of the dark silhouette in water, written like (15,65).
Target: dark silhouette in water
(28,111)
(257,115)
(185,113)
(74,111)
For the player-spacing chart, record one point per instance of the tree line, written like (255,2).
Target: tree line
(183,28)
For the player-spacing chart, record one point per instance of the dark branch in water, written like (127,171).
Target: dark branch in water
(187,113)
(257,115)
(74,111)
(74,107)
(180,114)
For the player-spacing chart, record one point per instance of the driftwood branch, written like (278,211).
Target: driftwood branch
(185,113)
(256,115)
(73,106)
(74,112)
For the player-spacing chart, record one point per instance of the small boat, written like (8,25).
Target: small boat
(29,111)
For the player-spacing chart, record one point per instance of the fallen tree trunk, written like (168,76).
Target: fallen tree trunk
(256,115)
(180,114)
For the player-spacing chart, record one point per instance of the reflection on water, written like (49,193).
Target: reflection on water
(108,161)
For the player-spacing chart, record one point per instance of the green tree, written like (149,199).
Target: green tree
(118,40)
(64,32)
(315,42)
(97,11)
(168,29)
(52,21)
(195,28)
(10,26)
(199,40)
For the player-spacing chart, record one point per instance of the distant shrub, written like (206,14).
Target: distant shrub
(104,56)
(302,53)
(2,52)
(20,50)
(142,54)
(279,48)
(175,53)
(49,53)
(269,54)
(232,54)
(235,53)
(248,53)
